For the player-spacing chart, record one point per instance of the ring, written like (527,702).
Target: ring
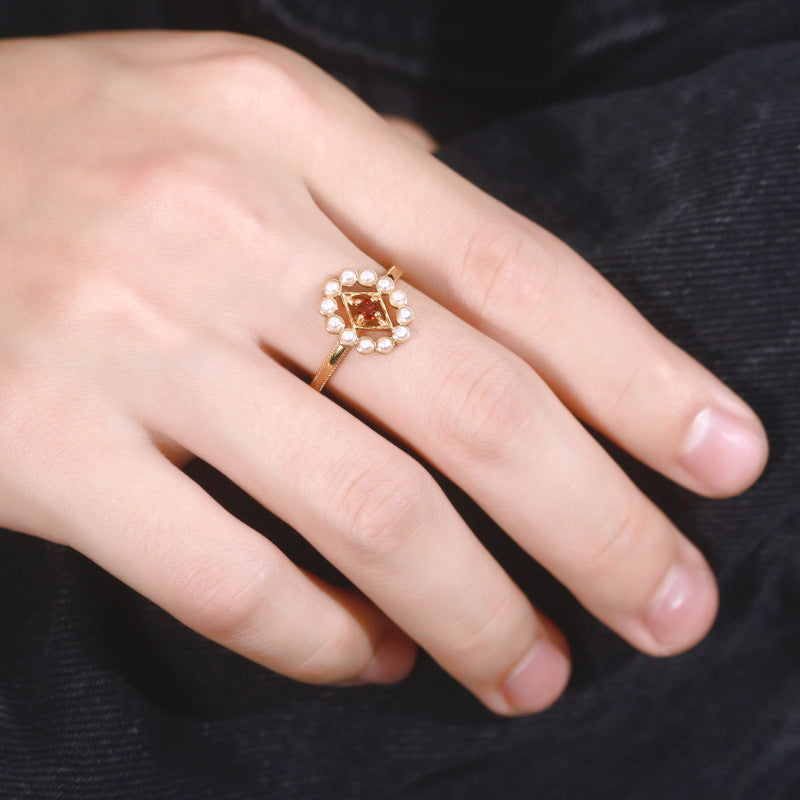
(356,304)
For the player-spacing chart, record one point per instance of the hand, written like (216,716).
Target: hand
(172,205)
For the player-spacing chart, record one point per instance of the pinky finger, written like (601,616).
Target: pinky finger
(160,533)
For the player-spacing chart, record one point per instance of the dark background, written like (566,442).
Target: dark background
(661,139)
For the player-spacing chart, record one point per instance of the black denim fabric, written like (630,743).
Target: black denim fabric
(670,158)
(44,17)
(458,64)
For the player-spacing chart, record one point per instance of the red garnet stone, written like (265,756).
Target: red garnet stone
(369,308)
(367,311)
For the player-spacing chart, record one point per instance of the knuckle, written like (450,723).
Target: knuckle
(174,185)
(249,67)
(484,640)
(195,195)
(76,310)
(227,598)
(647,382)
(613,547)
(250,76)
(383,506)
(506,273)
(105,313)
(624,391)
(332,660)
(483,408)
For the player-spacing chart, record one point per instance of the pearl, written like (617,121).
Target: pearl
(365,344)
(334,324)
(384,345)
(367,277)
(401,333)
(385,284)
(332,288)
(348,337)
(328,306)
(348,277)
(404,315)
(398,298)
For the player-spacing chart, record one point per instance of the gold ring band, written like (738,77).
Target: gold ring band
(377,306)
(331,362)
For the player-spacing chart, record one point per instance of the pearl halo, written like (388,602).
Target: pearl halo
(385,310)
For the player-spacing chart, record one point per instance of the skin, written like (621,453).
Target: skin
(172,205)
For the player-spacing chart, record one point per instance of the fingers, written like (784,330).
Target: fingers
(484,418)
(371,510)
(465,401)
(529,291)
(156,530)
(491,266)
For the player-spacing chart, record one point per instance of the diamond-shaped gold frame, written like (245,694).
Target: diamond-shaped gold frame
(349,338)
(386,320)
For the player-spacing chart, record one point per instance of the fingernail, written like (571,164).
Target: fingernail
(683,608)
(538,679)
(393,660)
(723,451)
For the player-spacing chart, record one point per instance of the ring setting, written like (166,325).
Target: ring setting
(357,305)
